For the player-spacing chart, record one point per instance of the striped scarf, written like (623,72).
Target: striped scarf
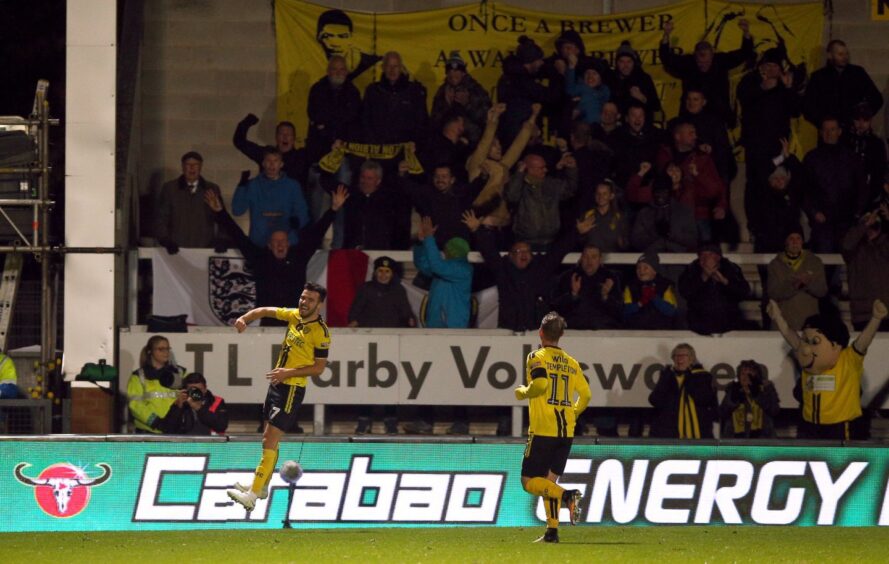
(689,427)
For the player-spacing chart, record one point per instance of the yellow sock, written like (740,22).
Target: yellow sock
(552,512)
(544,488)
(264,470)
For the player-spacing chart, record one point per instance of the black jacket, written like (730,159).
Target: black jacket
(713,306)
(211,418)
(296,162)
(333,114)
(763,395)
(587,310)
(765,114)
(278,282)
(395,112)
(835,184)
(445,208)
(665,397)
(518,90)
(381,305)
(524,294)
(835,93)
(376,221)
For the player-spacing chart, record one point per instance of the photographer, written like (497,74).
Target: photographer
(749,405)
(196,410)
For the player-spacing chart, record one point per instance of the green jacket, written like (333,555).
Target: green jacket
(149,400)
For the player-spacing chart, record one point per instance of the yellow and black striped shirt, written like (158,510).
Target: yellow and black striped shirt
(553,414)
(303,343)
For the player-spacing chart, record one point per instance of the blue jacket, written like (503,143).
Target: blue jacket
(451,291)
(591,99)
(275,205)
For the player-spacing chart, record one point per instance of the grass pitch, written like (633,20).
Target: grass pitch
(500,545)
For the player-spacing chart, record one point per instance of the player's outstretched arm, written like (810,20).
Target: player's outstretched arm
(242,322)
(774,311)
(536,388)
(878,314)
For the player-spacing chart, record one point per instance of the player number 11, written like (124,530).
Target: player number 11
(553,397)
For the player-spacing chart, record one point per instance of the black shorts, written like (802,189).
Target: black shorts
(546,454)
(282,404)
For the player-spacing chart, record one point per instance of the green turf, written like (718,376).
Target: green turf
(500,545)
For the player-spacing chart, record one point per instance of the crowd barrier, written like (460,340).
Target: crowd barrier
(114,483)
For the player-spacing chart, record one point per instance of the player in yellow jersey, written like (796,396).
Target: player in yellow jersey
(303,354)
(554,379)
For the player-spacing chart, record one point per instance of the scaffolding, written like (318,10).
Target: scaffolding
(34,237)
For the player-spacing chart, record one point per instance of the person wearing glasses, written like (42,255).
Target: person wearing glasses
(154,386)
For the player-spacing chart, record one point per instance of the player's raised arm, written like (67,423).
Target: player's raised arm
(242,322)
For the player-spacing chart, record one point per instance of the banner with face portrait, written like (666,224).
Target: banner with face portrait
(486,32)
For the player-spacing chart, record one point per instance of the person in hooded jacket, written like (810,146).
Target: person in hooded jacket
(461,93)
(631,83)
(649,298)
(714,287)
(520,87)
(684,398)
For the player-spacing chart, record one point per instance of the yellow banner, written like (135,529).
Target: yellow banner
(486,32)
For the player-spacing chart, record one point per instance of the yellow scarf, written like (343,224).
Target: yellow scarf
(689,427)
(793,263)
(741,414)
(331,161)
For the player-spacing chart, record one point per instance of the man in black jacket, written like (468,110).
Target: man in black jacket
(444,200)
(523,279)
(296,163)
(589,295)
(395,106)
(196,410)
(838,87)
(684,399)
(706,69)
(377,216)
(334,108)
(713,286)
(279,269)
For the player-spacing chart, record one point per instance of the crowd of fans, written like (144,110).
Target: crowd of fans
(618,176)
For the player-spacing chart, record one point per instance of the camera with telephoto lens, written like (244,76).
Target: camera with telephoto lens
(195,394)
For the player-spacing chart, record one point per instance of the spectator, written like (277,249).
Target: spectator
(870,149)
(607,129)
(589,295)
(523,280)
(448,304)
(768,102)
(182,220)
(684,399)
(711,132)
(536,196)
(569,44)
(829,389)
(448,147)
(462,94)
(395,106)
(796,280)
(637,142)
(196,411)
(839,86)
(632,84)
(649,298)
(490,162)
(713,286)
(835,189)
(275,202)
(701,187)
(866,252)
(750,404)
(295,161)
(8,377)
(279,268)
(519,88)
(376,217)
(780,205)
(594,162)
(444,200)
(334,110)
(610,232)
(665,225)
(585,85)
(152,387)
(707,70)
(381,302)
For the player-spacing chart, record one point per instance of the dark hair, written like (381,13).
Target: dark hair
(634,104)
(194,378)
(696,88)
(321,290)
(553,326)
(285,124)
(192,155)
(271,151)
(332,17)
(449,166)
(830,326)
(829,117)
(752,365)
(832,42)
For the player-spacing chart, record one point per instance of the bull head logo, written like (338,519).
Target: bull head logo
(62,490)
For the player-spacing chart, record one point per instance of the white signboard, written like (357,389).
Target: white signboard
(427,367)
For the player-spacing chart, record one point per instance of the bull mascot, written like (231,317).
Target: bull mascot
(830,386)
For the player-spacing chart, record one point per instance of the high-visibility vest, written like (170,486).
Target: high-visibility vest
(149,399)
